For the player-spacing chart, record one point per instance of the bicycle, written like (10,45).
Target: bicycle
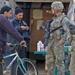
(24,66)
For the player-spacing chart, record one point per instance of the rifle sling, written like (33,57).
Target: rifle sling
(56,29)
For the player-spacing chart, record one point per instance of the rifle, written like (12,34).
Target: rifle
(47,35)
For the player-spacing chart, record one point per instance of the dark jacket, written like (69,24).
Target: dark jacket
(17,24)
(7,27)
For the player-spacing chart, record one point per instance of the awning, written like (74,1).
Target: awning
(41,0)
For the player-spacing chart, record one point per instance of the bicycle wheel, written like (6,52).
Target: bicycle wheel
(30,68)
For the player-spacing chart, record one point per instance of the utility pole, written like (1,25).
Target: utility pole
(13,5)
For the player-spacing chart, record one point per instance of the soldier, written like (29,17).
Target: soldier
(55,48)
(72,62)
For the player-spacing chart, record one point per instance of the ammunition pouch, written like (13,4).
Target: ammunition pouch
(62,31)
(72,29)
(70,38)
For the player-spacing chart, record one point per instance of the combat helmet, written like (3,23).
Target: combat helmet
(57,5)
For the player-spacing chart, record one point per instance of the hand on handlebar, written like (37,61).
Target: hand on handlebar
(23,43)
(8,44)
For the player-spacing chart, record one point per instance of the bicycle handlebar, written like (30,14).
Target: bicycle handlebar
(14,46)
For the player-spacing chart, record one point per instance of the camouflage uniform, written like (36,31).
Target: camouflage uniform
(55,52)
(72,62)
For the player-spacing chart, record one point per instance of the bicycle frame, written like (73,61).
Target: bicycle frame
(8,56)
(22,68)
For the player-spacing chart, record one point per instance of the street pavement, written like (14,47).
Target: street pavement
(40,67)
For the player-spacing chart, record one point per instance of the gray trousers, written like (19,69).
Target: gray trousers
(1,68)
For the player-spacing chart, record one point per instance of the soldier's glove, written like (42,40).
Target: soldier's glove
(60,42)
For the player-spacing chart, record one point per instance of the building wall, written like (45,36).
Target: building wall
(2,3)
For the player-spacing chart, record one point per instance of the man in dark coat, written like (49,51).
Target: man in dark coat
(22,27)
